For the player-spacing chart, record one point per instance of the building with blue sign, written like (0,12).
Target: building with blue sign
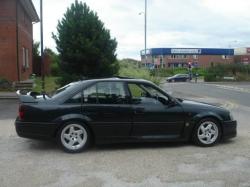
(181,57)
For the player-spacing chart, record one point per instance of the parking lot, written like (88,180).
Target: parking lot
(25,162)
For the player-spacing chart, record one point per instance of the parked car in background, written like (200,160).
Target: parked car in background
(119,110)
(178,78)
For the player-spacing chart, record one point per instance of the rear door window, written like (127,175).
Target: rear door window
(106,93)
(90,95)
(111,93)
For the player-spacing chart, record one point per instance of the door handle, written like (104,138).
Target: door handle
(139,110)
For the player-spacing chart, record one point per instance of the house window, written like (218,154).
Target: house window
(179,56)
(195,56)
(225,57)
(25,52)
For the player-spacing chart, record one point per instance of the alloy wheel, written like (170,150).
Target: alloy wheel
(73,137)
(208,132)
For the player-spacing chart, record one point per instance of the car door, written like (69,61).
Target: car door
(154,115)
(107,106)
(178,78)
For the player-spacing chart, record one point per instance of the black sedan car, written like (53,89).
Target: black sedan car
(119,110)
(179,78)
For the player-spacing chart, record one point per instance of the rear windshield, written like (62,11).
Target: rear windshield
(67,89)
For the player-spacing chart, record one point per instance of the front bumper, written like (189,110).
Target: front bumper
(35,130)
(229,129)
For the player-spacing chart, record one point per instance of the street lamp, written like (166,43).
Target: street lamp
(145,31)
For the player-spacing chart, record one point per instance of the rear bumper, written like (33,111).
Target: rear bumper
(35,130)
(229,129)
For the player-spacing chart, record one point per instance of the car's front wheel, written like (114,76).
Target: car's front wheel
(73,137)
(207,132)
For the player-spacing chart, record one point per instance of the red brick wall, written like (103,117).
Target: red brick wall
(25,41)
(8,65)
(207,60)
(8,52)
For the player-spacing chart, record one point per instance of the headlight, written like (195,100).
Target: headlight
(231,116)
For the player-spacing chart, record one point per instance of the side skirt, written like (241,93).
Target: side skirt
(168,138)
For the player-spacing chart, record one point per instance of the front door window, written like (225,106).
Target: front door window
(144,94)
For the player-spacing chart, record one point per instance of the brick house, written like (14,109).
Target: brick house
(16,38)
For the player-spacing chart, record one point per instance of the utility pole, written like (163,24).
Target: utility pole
(42,51)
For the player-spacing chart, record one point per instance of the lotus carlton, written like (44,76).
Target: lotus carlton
(119,110)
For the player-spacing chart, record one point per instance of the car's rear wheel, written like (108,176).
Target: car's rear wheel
(207,132)
(74,137)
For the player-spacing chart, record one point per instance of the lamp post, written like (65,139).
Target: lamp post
(42,51)
(145,32)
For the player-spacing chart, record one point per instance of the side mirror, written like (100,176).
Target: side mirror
(171,103)
(163,100)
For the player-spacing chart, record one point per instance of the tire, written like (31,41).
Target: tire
(74,137)
(207,132)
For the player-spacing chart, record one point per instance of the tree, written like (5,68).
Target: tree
(55,71)
(85,46)
(36,52)
(36,64)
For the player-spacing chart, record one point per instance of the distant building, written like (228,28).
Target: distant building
(242,55)
(181,57)
(16,38)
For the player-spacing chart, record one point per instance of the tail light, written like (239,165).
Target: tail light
(21,112)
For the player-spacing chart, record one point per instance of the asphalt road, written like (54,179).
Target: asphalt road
(234,92)
(26,162)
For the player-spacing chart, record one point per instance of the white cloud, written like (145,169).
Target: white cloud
(171,23)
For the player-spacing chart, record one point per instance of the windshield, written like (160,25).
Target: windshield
(177,75)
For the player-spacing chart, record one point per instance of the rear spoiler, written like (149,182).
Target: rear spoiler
(29,97)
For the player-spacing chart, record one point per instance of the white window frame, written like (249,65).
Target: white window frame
(24,57)
(27,58)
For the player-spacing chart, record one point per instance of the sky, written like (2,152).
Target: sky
(171,23)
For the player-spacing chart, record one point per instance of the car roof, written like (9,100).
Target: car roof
(118,79)
(181,74)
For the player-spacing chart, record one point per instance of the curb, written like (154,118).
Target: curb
(8,98)
(8,95)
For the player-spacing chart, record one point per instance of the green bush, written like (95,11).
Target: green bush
(5,85)
(217,73)
(131,69)
(55,70)
(211,77)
